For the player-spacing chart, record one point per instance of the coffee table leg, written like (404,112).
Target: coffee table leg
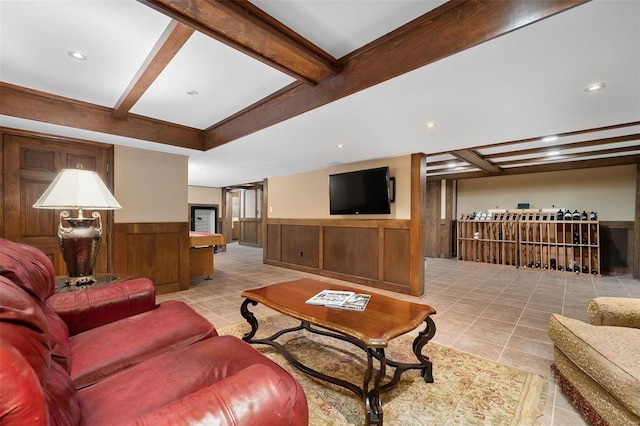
(251,319)
(372,401)
(422,339)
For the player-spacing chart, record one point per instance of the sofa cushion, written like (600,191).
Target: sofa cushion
(61,397)
(27,267)
(21,400)
(24,326)
(231,401)
(619,311)
(609,355)
(174,375)
(103,351)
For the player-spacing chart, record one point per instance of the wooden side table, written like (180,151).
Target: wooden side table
(102,279)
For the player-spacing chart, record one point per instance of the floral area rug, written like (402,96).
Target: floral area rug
(468,389)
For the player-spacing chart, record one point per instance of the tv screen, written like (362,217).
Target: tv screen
(360,192)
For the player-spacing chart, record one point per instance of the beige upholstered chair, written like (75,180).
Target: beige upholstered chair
(598,364)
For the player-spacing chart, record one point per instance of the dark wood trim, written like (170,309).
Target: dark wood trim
(245,28)
(609,240)
(170,42)
(555,167)
(158,251)
(31,104)
(560,135)
(636,250)
(284,253)
(585,144)
(348,223)
(473,158)
(571,157)
(418,223)
(442,32)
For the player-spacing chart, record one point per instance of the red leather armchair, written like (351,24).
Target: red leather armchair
(110,355)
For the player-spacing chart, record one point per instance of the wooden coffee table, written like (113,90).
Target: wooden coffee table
(384,319)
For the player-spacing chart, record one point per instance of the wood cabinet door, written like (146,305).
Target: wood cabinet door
(30,164)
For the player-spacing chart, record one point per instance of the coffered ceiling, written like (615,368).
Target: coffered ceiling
(251,90)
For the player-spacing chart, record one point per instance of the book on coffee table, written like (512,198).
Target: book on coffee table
(340,299)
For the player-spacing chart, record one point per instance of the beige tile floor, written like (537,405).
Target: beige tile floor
(500,313)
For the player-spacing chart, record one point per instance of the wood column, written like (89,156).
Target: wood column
(418,223)
(636,257)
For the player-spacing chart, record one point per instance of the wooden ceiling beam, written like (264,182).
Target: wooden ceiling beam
(569,157)
(444,31)
(16,101)
(555,167)
(585,144)
(473,158)
(246,28)
(167,46)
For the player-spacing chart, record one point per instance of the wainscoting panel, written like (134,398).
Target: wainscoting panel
(616,247)
(300,245)
(158,251)
(351,251)
(272,249)
(371,252)
(251,232)
(397,256)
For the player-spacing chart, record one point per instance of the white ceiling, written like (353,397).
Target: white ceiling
(522,85)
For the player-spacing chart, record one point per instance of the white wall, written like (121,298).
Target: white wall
(609,191)
(306,195)
(150,186)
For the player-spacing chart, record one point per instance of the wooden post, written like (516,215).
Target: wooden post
(418,223)
(636,257)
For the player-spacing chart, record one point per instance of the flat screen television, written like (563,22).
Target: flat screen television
(360,192)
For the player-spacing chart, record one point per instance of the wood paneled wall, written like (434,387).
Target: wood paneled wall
(636,239)
(251,232)
(616,247)
(440,231)
(158,251)
(369,252)
(29,162)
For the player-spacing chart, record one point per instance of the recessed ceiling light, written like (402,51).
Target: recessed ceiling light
(550,138)
(192,93)
(77,55)
(430,125)
(339,145)
(595,87)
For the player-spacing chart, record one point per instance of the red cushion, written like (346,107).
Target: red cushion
(96,306)
(21,399)
(174,375)
(24,326)
(232,401)
(105,350)
(27,267)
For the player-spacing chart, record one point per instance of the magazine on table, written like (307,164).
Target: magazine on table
(340,299)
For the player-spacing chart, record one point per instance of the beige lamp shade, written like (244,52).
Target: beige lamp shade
(77,189)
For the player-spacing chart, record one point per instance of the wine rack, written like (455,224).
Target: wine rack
(562,245)
(531,240)
(489,241)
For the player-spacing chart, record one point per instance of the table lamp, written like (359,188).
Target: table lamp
(80,240)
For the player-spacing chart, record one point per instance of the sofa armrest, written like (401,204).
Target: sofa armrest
(253,396)
(83,310)
(618,311)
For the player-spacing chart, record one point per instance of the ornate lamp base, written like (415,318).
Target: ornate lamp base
(80,242)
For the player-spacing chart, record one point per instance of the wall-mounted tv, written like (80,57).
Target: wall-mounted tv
(360,192)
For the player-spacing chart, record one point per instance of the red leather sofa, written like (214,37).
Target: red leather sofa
(111,356)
